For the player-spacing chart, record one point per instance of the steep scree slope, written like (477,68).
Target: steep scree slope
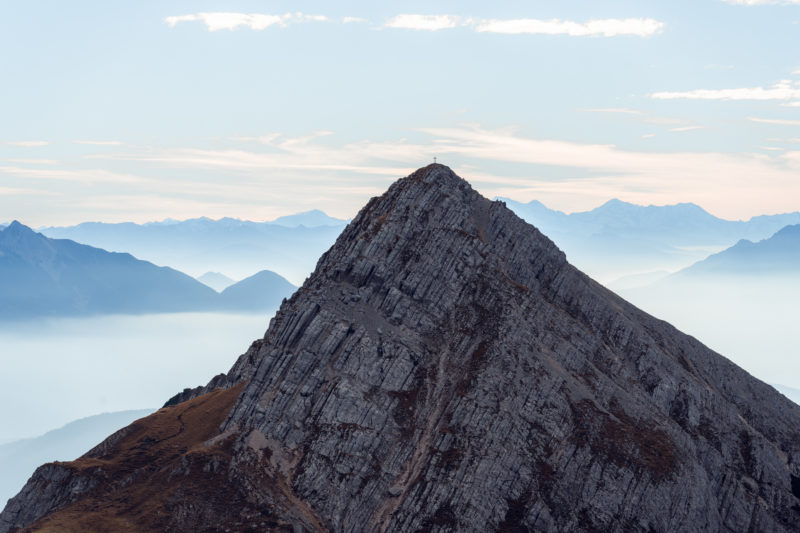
(446,369)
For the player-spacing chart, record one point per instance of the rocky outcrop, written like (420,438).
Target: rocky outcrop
(446,369)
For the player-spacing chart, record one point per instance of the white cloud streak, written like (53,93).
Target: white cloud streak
(640,27)
(100,143)
(74,176)
(761,2)
(600,171)
(776,121)
(19,191)
(424,22)
(783,90)
(28,144)
(641,177)
(620,110)
(686,128)
(26,161)
(255,21)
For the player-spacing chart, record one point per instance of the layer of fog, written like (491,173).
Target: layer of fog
(19,459)
(56,371)
(59,370)
(751,321)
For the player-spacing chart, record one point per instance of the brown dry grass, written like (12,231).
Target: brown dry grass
(160,464)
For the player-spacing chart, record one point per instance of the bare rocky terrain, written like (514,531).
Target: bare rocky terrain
(446,369)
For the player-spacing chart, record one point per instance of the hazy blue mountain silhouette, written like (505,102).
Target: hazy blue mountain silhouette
(620,238)
(310,219)
(741,301)
(18,459)
(235,248)
(777,255)
(268,288)
(40,276)
(216,280)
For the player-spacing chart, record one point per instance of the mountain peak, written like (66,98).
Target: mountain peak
(444,368)
(430,214)
(18,234)
(615,202)
(308,219)
(439,175)
(788,232)
(18,228)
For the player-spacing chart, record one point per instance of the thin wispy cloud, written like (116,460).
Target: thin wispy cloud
(28,144)
(776,121)
(600,171)
(620,110)
(27,161)
(100,143)
(424,22)
(641,27)
(74,176)
(783,90)
(762,2)
(642,177)
(255,21)
(686,128)
(20,191)
(677,124)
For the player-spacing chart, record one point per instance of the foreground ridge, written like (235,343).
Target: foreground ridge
(446,369)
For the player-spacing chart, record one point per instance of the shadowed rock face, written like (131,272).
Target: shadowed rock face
(445,369)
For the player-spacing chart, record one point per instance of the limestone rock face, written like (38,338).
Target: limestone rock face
(446,369)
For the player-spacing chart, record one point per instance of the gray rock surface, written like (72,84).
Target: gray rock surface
(446,369)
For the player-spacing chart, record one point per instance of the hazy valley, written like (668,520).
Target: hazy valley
(739,301)
(442,336)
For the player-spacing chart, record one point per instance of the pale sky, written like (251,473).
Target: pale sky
(145,110)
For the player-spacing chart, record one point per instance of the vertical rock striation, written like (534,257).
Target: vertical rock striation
(446,369)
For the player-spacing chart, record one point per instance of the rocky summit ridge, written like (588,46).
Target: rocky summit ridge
(446,369)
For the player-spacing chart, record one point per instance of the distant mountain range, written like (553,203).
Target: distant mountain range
(766,262)
(615,240)
(777,255)
(235,248)
(741,301)
(619,239)
(40,276)
(20,458)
